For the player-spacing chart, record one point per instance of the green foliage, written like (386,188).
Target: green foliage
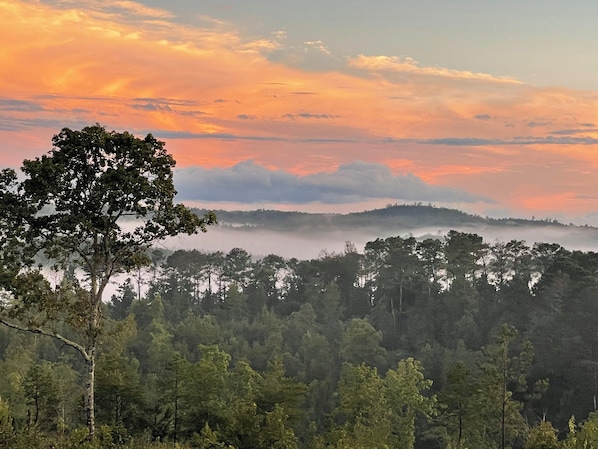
(42,396)
(584,437)
(406,392)
(204,389)
(363,412)
(542,436)
(276,434)
(207,439)
(6,429)
(459,409)
(361,344)
(504,374)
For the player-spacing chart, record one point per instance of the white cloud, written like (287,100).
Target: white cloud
(410,65)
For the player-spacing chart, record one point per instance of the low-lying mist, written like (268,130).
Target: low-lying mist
(309,245)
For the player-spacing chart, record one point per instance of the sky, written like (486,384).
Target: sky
(327,106)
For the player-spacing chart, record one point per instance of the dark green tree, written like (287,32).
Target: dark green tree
(363,414)
(504,372)
(189,265)
(463,252)
(361,344)
(121,302)
(395,264)
(6,429)
(508,261)
(432,260)
(458,408)
(237,268)
(41,392)
(407,397)
(97,201)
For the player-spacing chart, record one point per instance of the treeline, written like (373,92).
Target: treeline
(452,343)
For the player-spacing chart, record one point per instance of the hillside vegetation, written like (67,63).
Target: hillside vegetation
(436,343)
(403,216)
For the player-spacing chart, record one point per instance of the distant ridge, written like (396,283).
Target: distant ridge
(401,217)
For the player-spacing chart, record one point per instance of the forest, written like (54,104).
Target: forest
(431,343)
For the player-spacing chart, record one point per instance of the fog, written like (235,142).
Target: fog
(308,245)
(300,245)
(305,245)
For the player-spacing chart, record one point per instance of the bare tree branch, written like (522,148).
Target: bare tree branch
(57,336)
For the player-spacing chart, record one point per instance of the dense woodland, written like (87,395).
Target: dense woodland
(436,343)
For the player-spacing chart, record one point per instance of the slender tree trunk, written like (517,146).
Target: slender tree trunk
(400,299)
(89,393)
(36,400)
(460,440)
(93,329)
(393,312)
(176,407)
(503,424)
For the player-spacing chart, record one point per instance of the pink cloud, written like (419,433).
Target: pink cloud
(218,98)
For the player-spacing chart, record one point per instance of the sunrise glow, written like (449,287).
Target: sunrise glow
(227,99)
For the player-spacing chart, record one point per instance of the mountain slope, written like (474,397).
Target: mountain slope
(400,217)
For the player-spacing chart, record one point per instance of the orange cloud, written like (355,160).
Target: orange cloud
(218,98)
(564,202)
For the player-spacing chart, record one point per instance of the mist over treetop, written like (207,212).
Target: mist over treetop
(305,235)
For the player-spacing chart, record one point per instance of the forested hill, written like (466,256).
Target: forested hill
(304,235)
(402,217)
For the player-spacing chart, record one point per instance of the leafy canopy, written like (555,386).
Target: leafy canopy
(83,191)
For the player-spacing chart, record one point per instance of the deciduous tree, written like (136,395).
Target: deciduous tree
(97,202)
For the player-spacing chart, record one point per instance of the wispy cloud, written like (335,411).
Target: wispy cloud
(308,115)
(529,140)
(123,6)
(9,104)
(238,137)
(319,46)
(410,65)
(570,132)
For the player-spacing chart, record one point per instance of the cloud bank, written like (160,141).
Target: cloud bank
(248,182)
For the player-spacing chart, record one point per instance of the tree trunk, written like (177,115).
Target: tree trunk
(176,407)
(460,440)
(93,331)
(503,423)
(89,393)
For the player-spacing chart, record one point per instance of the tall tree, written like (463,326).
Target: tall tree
(431,256)
(363,413)
(395,263)
(406,389)
(503,374)
(97,201)
(457,404)
(463,251)
(509,260)
(41,392)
